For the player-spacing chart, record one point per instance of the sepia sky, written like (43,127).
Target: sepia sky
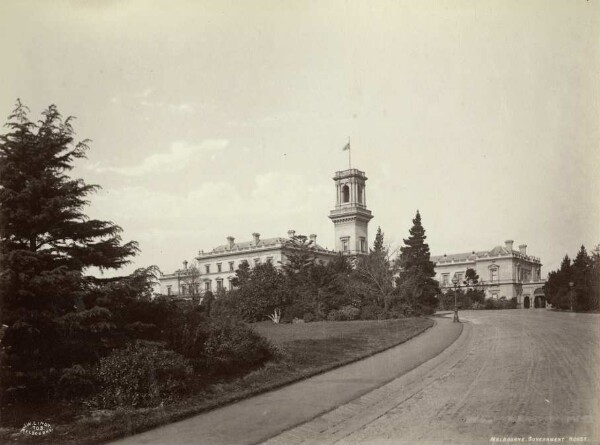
(213,118)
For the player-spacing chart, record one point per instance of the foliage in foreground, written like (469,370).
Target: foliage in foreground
(49,305)
(73,336)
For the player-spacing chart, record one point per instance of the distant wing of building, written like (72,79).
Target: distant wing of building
(503,273)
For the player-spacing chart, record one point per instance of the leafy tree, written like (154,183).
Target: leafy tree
(242,274)
(262,293)
(595,279)
(471,278)
(46,245)
(583,273)
(417,272)
(474,292)
(300,257)
(375,275)
(191,279)
(557,287)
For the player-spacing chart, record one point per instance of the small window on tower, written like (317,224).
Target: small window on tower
(344,244)
(345,194)
(363,245)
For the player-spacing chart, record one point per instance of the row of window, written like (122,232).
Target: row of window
(460,275)
(231,265)
(524,276)
(186,289)
(346,245)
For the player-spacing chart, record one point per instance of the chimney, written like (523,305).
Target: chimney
(523,249)
(230,240)
(509,244)
(256,237)
(185,263)
(291,233)
(313,238)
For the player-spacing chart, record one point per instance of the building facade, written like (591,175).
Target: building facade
(214,270)
(503,273)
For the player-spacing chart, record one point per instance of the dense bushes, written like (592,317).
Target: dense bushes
(501,303)
(345,313)
(218,346)
(142,374)
(232,347)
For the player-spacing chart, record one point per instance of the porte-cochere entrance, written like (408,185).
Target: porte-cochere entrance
(539,299)
(526,302)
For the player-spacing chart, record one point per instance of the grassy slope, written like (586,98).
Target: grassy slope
(306,349)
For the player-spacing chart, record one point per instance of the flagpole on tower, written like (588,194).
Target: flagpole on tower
(347,147)
(349,154)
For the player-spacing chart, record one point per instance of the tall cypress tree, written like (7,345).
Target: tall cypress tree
(417,269)
(378,243)
(46,244)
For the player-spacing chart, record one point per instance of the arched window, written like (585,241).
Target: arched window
(345,194)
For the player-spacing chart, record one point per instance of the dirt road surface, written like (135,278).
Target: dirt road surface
(525,375)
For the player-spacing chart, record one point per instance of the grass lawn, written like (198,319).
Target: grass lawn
(306,349)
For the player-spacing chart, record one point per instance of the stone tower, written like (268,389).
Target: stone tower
(351,216)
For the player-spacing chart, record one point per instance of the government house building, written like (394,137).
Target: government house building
(503,273)
(215,269)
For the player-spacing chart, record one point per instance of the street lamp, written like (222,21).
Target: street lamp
(455,281)
(571,284)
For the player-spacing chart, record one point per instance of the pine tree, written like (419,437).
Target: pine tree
(46,244)
(378,246)
(417,269)
(582,280)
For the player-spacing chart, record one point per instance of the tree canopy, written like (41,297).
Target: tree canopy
(576,283)
(47,243)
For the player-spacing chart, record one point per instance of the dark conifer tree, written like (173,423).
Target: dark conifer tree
(416,267)
(378,246)
(46,244)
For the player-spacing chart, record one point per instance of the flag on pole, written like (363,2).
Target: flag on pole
(346,147)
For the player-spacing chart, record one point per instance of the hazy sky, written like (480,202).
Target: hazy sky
(218,118)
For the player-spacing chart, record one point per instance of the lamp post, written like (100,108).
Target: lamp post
(571,284)
(455,281)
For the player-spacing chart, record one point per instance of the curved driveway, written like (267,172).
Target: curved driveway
(519,374)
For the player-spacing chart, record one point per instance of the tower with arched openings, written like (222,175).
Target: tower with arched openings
(350,216)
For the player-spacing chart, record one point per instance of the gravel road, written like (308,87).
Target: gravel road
(516,376)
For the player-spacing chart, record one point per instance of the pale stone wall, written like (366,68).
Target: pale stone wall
(213,278)
(502,271)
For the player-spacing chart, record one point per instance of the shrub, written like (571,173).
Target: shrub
(308,317)
(140,375)
(490,303)
(398,312)
(371,312)
(295,310)
(76,382)
(501,303)
(222,345)
(227,305)
(232,347)
(345,313)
